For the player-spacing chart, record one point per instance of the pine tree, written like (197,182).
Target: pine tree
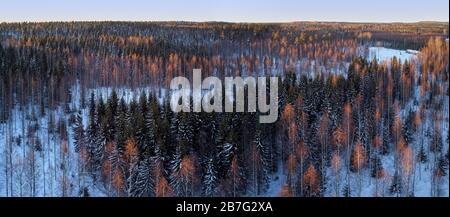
(263,176)
(408,128)
(183,174)
(422,156)
(162,138)
(346,191)
(235,178)
(225,153)
(442,167)
(92,134)
(122,126)
(387,133)
(102,139)
(117,170)
(111,116)
(172,138)
(383,143)
(396,186)
(150,119)
(436,142)
(210,179)
(446,156)
(78,133)
(175,177)
(84,192)
(184,132)
(141,128)
(377,167)
(131,159)
(144,185)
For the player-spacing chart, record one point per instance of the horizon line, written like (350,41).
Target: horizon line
(218,21)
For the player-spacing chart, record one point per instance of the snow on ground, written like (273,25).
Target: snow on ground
(276,183)
(386,54)
(48,162)
(420,179)
(51,167)
(46,174)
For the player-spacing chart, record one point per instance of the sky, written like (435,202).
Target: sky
(225,10)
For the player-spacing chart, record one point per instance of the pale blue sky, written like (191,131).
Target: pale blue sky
(225,10)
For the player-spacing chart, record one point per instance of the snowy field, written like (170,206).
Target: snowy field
(386,54)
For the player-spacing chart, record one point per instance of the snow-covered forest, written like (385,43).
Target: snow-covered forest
(363,110)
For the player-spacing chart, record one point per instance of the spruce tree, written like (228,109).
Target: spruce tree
(122,126)
(141,128)
(184,132)
(210,179)
(92,134)
(102,136)
(346,192)
(79,138)
(175,178)
(263,176)
(111,115)
(225,153)
(442,166)
(377,166)
(422,155)
(144,182)
(408,128)
(396,186)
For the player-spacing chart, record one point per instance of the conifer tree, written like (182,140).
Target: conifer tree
(78,132)
(210,179)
